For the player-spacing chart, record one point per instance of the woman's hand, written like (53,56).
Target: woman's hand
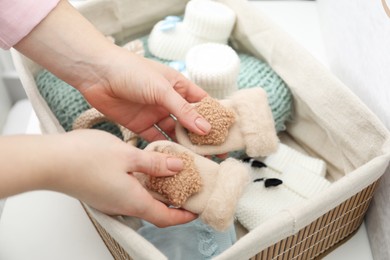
(93,166)
(138,93)
(131,90)
(99,172)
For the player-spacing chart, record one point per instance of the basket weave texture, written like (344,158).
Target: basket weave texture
(311,242)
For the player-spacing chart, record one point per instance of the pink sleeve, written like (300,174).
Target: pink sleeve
(18,18)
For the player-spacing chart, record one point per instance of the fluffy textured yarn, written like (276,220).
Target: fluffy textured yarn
(220,118)
(177,188)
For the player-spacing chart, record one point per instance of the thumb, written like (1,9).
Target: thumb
(155,163)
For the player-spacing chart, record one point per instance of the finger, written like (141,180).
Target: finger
(174,99)
(189,90)
(144,206)
(154,163)
(162,216)
(186,88)
(185,112)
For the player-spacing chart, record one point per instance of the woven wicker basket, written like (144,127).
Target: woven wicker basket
(313,241)
(329,123)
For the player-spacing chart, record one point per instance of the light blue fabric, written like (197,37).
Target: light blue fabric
(194,240)
(169,23)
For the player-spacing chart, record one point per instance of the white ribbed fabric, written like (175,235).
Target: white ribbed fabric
(204,21)
(214,67)
(209,20)
(286,156)
(303,182)
(258,203)
(173,44)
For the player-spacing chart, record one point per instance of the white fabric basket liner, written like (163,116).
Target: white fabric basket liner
(330,122)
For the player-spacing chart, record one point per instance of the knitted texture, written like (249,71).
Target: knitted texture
(214,67)
(173,44)
(260,203)
(220,118)
(92,117)
(252,131)
(66,102)
(256,73)
(286,156)
(177,188)
(222,185)
(209,20)
(203,22)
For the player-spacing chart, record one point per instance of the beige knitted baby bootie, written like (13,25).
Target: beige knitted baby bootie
(203,187)
(242,121)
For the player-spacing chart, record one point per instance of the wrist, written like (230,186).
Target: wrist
(60,159)
(69,46)
(31,168)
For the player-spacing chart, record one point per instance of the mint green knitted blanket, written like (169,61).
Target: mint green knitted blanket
(256,73)
(67,103)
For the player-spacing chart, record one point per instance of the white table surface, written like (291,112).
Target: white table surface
(47,225)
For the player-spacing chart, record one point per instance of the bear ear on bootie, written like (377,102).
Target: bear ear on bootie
(243,121)
(204,187)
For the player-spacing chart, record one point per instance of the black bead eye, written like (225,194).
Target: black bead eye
(258,164)
(254,163)
(272,182)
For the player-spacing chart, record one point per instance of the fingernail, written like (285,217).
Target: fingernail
(203,125)
(174,164)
